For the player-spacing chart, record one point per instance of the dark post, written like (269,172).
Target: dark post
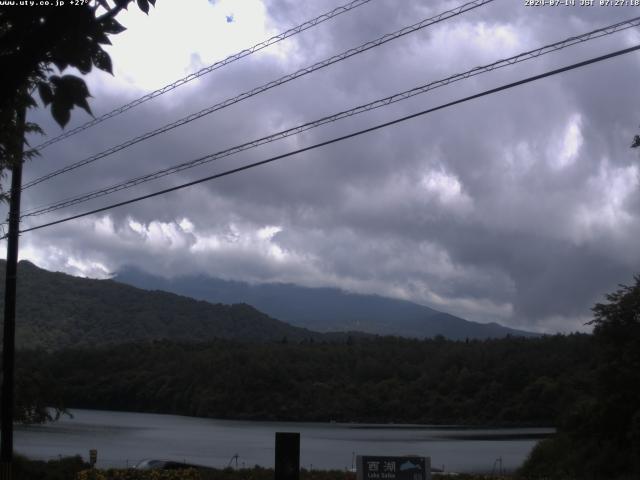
(287,456)
(8,345)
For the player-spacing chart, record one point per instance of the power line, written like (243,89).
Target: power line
(531,54)
(230,59)
(267,86)
(341,138)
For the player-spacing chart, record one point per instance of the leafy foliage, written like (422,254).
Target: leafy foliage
(600,435)
(297,375)
(56,310)
(256,473)
(130,474)
(38,396)
(36,39)
(63,469)
(500,382)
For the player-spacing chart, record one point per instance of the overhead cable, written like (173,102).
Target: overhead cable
(521,57)
(341,138)
(230,59)
(267,86)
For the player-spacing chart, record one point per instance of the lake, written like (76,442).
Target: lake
(123,439)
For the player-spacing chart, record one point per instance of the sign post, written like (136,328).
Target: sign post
(93,457)
(393,468)
(287,465)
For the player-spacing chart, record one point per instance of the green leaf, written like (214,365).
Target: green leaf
(143,5)
(112,26)
(123,3)
(30,102)
(31,127)
(102,60)
(60,63)
(45,93)
(82,103)
(54,80)
(100,37)
(68,91)
(83,63)
(28,155)
(74,91)
(73,85)
(61,113)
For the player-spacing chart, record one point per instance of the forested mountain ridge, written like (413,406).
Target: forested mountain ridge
(509,381)
(324,309)
(56,310)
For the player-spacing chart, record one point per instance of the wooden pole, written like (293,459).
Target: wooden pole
(8,342)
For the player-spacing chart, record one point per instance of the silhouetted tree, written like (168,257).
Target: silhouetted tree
(34,40)
(616,414)
(600,435)
(37,45)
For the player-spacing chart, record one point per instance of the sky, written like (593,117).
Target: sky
(521,207)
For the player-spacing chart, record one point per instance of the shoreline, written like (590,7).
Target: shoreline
(355,424)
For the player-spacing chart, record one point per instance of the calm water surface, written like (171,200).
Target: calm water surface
(123,439)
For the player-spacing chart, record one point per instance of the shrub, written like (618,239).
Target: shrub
(62,469)
(132,474)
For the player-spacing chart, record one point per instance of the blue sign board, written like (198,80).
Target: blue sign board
(393,468)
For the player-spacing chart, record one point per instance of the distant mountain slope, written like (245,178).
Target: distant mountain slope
(55,310)
(324,309)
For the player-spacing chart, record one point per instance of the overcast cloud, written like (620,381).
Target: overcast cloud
(521,207)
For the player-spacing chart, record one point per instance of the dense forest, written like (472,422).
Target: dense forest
(585,385)
(599,435)
(506,381)
(56,310)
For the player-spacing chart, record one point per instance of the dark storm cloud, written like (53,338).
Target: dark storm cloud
(521,207)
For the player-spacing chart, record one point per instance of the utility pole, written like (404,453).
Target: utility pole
(8,342)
